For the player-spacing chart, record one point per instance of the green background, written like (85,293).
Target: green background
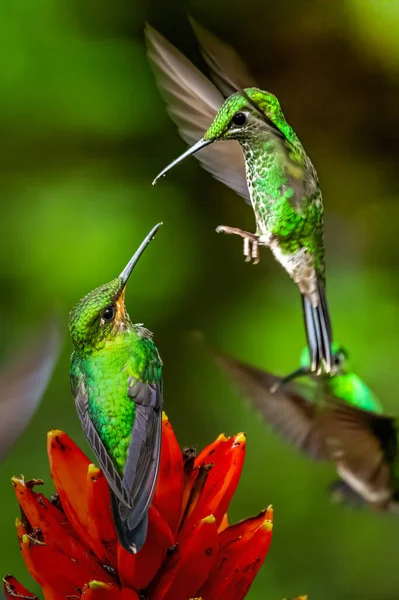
(83,133)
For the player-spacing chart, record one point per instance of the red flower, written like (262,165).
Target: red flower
(70,545)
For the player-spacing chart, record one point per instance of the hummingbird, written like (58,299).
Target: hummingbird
(362,444)
(264,162)
(116,379)
(23,381)
(344,384)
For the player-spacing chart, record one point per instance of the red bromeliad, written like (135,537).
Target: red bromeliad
(70,545)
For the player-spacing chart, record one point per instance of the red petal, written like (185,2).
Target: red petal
(68,466)
(224,524)
(238,563)
(127,594)
(52,532)
(13,589)
(169,491)
(222,481)
(246,526)
(126,565)
(188,567)
(153,553)
(206,456)
(98,590)
(100,523)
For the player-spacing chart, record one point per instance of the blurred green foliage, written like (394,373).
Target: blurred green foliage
(84,131)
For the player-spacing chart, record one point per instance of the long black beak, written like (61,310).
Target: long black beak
(197,146)
(135,258)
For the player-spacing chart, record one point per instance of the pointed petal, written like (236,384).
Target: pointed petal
(222,481)
(206,456)
(126,565)
(13,589)
(224,524)
(150,558)
(100,524)
(52,532)
(238,563)
(193,471)
(68,466)
(198,484)
(188,567)
(168,495)
(98,590)
(49,565)
(246,526)
(127,594)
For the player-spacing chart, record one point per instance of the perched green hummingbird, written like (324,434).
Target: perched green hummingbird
(361,443)
(116,378)
(279,179)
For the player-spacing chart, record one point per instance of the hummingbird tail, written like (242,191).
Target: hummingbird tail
(318,331)
(131,535)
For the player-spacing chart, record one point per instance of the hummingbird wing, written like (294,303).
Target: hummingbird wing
(146,435)
(363,445)
(228,71)
(289,410)
(134,491)
(142,464)
(23,381)
(192,103)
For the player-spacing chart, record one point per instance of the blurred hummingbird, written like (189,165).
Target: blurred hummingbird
(272,171)
(116,378)
(361,443)
(344,384)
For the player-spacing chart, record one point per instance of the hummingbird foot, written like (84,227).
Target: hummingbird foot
(251,242)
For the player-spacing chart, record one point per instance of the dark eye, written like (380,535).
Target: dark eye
(239,119)
(109,313)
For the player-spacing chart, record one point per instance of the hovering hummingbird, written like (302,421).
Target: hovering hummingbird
(116,378)
(361,443)
(344,384)
(23,381)
(271,171)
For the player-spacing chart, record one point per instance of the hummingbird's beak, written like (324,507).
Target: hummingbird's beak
(197,146)
(135,258)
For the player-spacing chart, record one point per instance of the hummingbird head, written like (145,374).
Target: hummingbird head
(242,116)
(101,315)
(340,356)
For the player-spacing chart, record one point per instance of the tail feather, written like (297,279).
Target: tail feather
(318,331)
(131,535)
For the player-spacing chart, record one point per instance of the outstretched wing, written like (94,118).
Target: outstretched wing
(23,381)
(228,71)
(192,102)
(290,410)
(136,487)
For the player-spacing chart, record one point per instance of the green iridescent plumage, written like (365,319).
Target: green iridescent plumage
(345,384)
(279,179)
(116,378)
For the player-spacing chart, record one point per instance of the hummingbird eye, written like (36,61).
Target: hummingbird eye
(238,120)
(108,314)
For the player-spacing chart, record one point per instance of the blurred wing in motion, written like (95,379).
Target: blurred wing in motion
(228,71)
(289,410)
(364,447)
(23,381)
(192,102)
